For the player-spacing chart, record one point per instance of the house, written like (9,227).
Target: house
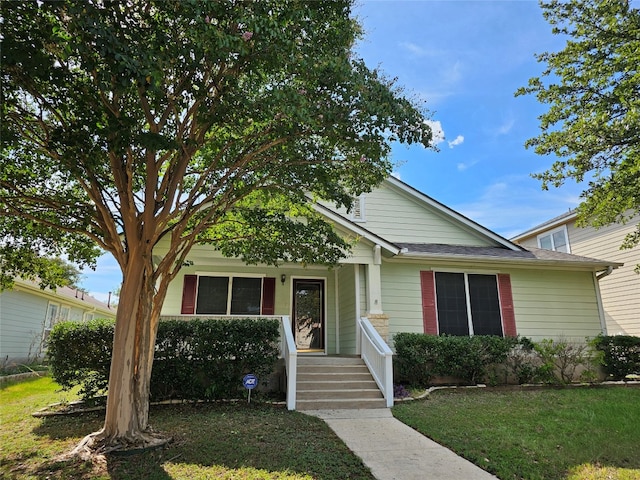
(417,266)
(620,290)
(27,314)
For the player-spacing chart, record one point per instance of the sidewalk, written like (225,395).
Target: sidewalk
(394,451)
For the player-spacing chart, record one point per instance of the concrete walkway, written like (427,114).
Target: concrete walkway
(392,450)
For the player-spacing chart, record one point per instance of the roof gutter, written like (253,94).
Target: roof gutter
(606,273)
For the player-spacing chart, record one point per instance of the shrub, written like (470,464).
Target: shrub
(561,359)
(419,357)
(522,362)
(206,359)
(621,355)
(80,354)
(414,357)
(199,359)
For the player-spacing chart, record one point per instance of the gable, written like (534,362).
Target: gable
(398,214)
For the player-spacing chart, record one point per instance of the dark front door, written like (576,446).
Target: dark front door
(308,314)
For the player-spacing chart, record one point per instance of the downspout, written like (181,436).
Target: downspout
(606,273)
(596,282)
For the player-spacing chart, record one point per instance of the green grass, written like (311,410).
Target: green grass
(222,441)
(577,434)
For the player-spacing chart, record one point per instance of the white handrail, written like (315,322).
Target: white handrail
(378,357)
(290,354)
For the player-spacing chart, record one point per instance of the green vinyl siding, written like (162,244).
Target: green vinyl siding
(347,309)
(547,303)
(399,217)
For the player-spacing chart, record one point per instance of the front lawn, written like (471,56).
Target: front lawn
(571,433)
(222,441)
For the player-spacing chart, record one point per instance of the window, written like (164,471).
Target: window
(229,295)
(467,304)
(64,314)
(357,210)
(556,240)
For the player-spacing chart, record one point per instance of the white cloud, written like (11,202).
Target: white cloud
(417,50)
(506,127)
(456,141)
(464,166)
(396,174)
(436,131)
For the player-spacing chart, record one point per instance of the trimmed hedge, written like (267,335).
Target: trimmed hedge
(621,355)
(419,357)
(198,359)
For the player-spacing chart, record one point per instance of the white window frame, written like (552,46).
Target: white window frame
(549,233)
(64,313)
(467,294)
(230,276)
(51,318)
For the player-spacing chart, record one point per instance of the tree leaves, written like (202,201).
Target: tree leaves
(592,88)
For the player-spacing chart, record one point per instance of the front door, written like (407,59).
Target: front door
(308,314)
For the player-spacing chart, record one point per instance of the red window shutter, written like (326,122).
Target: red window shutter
(506,305)
(429,313)
(268,296)
(189,294)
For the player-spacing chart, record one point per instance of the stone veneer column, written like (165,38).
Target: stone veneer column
(380,322)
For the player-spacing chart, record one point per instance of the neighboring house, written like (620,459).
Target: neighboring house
(620,290)
(27,314)
(417,266)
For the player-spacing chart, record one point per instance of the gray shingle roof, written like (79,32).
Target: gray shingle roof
(531,254)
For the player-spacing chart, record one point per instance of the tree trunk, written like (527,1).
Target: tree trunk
(126,420)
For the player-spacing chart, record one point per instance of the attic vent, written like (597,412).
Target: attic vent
(357,210)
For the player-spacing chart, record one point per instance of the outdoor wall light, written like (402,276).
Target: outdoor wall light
(283,277)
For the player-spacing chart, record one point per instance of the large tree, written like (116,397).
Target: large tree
(592,126)
(132,123)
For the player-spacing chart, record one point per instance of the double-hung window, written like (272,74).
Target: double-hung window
(228,295)
(556,240)
(467,304)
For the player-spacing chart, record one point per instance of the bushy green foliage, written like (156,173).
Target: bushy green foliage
(199,359)
(484,358)
(80,354)
(621,354)
(561,360)
(206,359)
(419,357)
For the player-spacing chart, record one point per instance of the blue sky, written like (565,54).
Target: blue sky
(466,59)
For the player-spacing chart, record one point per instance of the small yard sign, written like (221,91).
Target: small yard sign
(250,381)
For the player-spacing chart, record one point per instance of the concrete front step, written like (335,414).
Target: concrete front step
(333,377)
(333,368)
(330,382)
(340,393)
(337,404)
(328,360)
(336,385)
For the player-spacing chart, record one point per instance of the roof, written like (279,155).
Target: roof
(470,253)
(505,251)
(75,296)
